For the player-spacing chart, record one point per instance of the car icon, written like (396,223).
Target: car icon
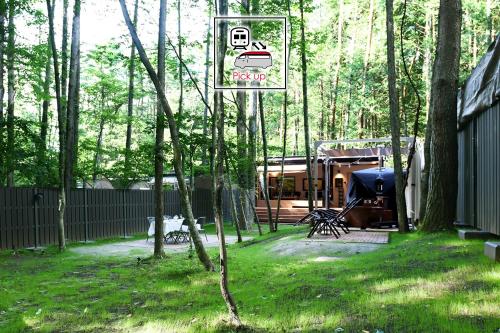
(254,59)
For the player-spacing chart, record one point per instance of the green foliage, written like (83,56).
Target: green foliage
(361,91)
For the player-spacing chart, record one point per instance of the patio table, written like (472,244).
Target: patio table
(172,230)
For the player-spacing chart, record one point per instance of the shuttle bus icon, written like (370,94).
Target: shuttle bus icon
(240,38)
(259,59)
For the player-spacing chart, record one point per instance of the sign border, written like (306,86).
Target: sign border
(250,18)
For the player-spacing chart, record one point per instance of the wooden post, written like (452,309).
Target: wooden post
(85,213)
(35,209)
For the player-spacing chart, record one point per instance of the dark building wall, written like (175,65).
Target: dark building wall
(479,171)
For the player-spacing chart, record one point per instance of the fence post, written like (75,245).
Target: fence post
(125,235)
(36,197)
(85,214)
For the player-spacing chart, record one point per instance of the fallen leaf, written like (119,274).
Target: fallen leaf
(38,312)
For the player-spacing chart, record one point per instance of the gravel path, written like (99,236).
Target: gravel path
(145,248)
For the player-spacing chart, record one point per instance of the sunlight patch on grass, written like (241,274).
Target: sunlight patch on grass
(492,276)
(153,326)
(483,309)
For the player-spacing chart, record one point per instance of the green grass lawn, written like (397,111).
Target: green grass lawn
(417,283)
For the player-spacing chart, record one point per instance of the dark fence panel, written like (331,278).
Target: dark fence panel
(28,216)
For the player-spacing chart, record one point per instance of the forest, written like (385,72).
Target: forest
(112,134)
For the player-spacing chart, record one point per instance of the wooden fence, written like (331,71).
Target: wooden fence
(28,216)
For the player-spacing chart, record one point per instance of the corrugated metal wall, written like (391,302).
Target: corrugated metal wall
(90,213)
(479,171)
(488,170)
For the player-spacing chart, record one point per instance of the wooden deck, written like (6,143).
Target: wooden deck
(287,215)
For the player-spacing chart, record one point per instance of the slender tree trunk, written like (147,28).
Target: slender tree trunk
(207,68)
(338,63)
(241,133)
(44,123)
(395,121)
(322,112)
(130,104)
(362,111)
(179,41)
(441,200)
(72,96)
(252,156)
(284,125)
(10,95)
(76,132)
(61,122)
(158,252)
(234,209)
(265,188)
(177,149)
(296,137)
(3,14)
(97,155)
(424,183)
(64,55)
(219,116)
(307,142)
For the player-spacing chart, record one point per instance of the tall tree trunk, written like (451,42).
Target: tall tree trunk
(322,112)
(64,55)
(97,155)
(3,14)
(219,116)
(177,149)
(362,111)
(441,200)
(158,252)
(207,68)
(61,123)
(395,121)
(44,123)
(72,96)
(296,137)
(10,95)
(179,41)
(424,183)
(265,187)
(241,131)
(307,142)
(252,156)
(234,209)
(338,63)
(76,135)
(284,125)
(130,99)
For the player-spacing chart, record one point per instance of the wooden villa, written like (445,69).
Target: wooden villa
(332,168)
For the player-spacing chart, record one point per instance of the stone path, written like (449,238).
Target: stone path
(324,248)
(145,248)
(373,237)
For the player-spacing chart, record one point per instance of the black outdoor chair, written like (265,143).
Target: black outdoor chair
(327,220)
